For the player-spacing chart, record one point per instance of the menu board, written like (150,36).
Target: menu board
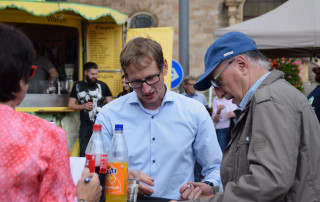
(113,80)
(105,45)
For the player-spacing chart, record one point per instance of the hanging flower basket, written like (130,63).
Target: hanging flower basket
(291,68)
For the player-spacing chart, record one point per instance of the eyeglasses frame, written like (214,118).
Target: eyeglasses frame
(34,68)
(214,79)
(144,81)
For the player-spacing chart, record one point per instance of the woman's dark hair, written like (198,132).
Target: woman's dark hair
(316,70)
(16,56)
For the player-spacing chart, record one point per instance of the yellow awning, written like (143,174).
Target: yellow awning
(42,8)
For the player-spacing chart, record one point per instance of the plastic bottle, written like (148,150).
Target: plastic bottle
(58,86)
(70,82)
(52,87)
(117,167)
(96,157)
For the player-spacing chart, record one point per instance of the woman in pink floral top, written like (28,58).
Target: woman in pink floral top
(34,158)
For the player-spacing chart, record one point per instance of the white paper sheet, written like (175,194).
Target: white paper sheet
(77,165)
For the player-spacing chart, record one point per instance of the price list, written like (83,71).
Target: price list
(104,45)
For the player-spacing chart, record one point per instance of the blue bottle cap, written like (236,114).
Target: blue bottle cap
(119,127)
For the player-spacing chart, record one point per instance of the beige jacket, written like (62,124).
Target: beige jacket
(274,151)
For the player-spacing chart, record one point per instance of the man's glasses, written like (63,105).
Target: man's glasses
(149,80)
(214,81)
(33,71)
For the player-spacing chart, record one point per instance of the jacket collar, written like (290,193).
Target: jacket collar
(272,77)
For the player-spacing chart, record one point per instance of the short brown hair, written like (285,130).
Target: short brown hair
(188,78)
(141,49)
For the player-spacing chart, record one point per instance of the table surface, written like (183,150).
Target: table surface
(152,199)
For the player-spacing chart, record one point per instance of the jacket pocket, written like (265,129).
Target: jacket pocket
(241,159)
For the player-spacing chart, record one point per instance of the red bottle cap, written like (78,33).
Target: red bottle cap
(96,127)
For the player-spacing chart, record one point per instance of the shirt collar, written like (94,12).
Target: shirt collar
(253,88)
(194,95)
(168,97)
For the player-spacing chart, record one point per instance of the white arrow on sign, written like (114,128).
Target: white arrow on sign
(174,74)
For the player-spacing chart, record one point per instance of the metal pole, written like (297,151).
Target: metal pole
(184,37)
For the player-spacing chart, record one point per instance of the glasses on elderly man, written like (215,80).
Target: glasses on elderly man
(33,71)
(149,80)
(214,81)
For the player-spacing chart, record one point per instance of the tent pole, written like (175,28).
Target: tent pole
(184,37)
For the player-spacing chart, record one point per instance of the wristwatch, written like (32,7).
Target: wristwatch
(215,189)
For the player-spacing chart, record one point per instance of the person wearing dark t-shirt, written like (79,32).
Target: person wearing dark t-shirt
(88,96)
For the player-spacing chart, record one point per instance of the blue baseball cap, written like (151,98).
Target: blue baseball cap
(227,46)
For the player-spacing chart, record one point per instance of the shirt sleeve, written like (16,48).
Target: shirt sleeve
(106,90)
(74,91)
(57,183)
(207,149)
(106,126)
(45,63)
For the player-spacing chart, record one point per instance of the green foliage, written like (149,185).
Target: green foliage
(291,68)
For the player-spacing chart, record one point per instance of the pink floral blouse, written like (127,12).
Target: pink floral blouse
(34,159)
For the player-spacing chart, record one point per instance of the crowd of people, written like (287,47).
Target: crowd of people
(269,155)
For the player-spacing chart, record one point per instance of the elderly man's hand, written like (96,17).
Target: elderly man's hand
(194,190)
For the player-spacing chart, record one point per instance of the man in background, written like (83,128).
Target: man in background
(45,71)
(88,96)
(190,92)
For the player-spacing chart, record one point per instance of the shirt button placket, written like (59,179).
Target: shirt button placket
(153,146)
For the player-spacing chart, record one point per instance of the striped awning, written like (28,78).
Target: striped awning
(46,8)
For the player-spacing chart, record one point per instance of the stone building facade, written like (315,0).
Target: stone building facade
(204,17)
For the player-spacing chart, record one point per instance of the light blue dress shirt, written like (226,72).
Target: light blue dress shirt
(198,96)
(250,92)
(165,143)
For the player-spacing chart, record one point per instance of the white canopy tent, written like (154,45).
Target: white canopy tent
(290,30)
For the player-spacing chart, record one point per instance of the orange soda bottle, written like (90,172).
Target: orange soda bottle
(117,167)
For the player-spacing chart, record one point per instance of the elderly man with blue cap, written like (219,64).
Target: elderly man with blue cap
(272,153)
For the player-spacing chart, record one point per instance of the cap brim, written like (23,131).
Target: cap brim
(203,83)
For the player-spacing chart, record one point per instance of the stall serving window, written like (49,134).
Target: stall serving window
(60,31)
(56,50)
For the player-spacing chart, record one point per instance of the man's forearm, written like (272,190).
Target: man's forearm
(75,106)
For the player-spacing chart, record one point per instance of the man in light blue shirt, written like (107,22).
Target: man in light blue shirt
(190,92)
(165,132)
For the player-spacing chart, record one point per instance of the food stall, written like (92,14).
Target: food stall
(68,34)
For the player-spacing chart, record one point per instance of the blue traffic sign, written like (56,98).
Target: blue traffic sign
(176,74)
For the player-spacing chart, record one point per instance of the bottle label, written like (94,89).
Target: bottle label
(91,162)
(103,164)
(116,181)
